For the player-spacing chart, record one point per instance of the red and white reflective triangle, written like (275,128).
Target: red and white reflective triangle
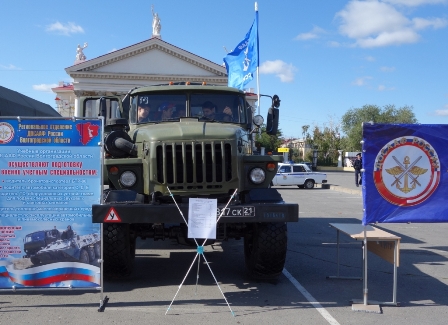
(112,216)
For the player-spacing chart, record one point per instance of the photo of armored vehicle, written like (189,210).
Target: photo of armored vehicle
(168,143)
(84,249)
(37,240)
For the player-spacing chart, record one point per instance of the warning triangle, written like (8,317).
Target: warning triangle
(112,216)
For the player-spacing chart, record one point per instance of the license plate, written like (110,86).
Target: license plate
(245,211)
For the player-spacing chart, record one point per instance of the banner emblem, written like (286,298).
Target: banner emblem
(6,132)
(407,171)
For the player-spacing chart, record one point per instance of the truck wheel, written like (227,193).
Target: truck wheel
(309,184)
(91,252)
(35,260)
(97,249)
(84,256)
(265,250)
(118,251)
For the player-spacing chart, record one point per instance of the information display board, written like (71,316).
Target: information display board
(50,175)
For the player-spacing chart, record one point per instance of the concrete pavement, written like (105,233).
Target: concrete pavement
(342,182)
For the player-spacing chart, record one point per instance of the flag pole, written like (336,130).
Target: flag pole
(258,60)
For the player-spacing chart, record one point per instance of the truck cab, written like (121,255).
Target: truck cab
(166,144)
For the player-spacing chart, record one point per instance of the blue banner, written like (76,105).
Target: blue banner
(50,175)
(242,62)
(403,179)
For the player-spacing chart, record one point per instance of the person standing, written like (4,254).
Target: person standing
(358,166)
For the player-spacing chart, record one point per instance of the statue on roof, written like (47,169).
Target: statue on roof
(156,25)
(79,53)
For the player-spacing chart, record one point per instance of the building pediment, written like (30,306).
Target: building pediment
(151,60)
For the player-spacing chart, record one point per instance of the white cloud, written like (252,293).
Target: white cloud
(65,29)
(362,81)
(9,67)
(420,23)
(281,69)
(370,58)
(314,33)
(384,88)
(414,3)
(442,112)
(374,24)
(334,44)
(387,69)
(45,87)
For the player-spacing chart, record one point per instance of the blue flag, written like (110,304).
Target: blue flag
(405,177)
(242,62)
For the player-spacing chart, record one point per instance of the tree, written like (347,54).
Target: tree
(353,119)
(269,142)
(325,139)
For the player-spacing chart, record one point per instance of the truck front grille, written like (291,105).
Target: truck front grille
(188,165)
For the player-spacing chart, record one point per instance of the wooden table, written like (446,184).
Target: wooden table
(379,242)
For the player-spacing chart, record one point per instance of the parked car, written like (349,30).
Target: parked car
(298,174)
(309,164)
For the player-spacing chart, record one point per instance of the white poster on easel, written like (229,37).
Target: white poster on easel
(202,218)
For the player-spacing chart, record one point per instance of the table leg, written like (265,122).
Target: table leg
(337,276)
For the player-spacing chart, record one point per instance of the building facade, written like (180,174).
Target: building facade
(147,63)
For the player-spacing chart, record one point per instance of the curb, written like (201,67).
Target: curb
(342,189)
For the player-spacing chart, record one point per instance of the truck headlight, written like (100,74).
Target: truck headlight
(128,179)
(257,175)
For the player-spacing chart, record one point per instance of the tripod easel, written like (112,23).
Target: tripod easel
(199,252)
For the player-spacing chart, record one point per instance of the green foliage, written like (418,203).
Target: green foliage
(269,142)
(353,119)
(325,139)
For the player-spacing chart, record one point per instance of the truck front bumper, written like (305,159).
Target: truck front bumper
(127,212)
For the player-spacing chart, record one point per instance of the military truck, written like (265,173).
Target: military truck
(155,162)
(35,241)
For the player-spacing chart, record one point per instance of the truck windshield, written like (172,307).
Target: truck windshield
(147,108)
(155,108)
(35,236)
(218,107)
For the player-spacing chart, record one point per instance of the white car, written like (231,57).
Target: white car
(297,174)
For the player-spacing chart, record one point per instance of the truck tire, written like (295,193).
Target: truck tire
(35,260)
(118,250)
(84,256)
(309,184)
(91,252)
(97,249)
(265,250)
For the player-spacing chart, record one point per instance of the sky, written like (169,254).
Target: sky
(321,57)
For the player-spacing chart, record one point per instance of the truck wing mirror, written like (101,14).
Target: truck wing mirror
(276,101)
(272,121)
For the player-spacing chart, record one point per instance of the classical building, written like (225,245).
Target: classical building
(150,62)
(301,147)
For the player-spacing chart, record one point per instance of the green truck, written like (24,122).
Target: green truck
(168,143)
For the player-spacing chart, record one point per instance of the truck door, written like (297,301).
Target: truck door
(107,106)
